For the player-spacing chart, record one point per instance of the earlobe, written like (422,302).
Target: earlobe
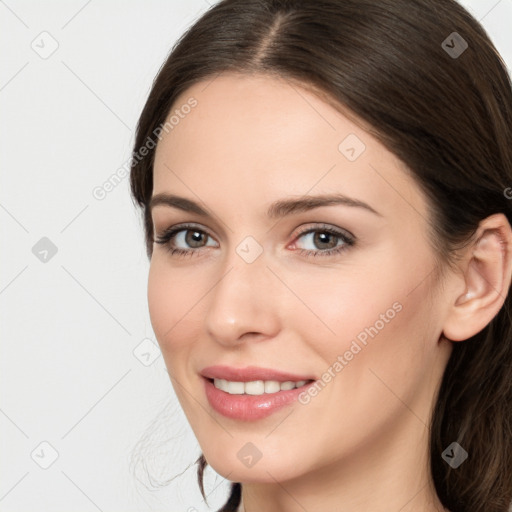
(487,269)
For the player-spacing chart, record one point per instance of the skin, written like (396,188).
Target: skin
(363,440)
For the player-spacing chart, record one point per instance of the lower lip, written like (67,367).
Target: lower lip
(250,407)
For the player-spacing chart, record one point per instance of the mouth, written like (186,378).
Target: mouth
(257,387)
(252,400)
(252,393)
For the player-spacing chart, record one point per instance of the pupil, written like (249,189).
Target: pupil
(191,240)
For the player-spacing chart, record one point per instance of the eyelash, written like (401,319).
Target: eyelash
(348,240)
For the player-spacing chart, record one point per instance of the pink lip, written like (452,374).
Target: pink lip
(250,407)
(250,373)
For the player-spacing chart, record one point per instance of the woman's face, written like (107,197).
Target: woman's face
(343,290)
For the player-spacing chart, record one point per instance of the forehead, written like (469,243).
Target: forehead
(256,135)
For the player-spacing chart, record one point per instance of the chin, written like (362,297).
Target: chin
(237,465)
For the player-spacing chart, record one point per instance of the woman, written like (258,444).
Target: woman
(327,216)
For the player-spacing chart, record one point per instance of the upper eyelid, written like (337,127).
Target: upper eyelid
(179,227)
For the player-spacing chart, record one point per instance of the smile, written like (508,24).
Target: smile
(253,404)
(256,387)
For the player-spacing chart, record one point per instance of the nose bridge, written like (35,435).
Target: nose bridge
(242,300)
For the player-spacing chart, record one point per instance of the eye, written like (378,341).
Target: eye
(328,240)
(188,236)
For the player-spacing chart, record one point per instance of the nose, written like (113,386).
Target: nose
(243,303)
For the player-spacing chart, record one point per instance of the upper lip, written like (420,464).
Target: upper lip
(250,373)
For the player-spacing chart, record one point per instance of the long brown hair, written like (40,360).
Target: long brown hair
(445,109)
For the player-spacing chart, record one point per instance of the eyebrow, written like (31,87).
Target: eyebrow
(276,210)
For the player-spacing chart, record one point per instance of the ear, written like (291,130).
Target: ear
(486,269)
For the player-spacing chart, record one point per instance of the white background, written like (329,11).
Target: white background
(69,326)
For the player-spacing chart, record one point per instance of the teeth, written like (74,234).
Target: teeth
(255,387)
(272,386)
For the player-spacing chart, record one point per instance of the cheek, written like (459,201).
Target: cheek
(374,316)
(169,299)
(339,304)
(160,300)
(174,301)
(377,359)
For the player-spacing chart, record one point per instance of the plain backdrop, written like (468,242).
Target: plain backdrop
(81,377)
